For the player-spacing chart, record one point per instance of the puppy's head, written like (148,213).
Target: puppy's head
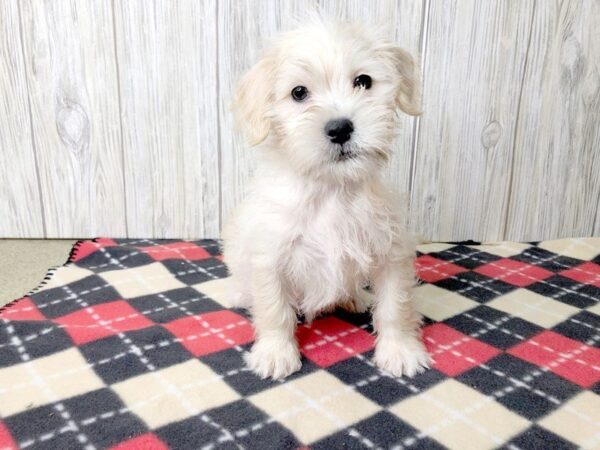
(326,97)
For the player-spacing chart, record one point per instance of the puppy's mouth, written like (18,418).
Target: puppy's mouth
(345,154)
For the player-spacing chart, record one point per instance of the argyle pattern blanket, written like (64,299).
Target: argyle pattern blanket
(133,345)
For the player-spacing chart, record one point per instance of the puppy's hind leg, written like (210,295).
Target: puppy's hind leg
(360,303)
(239,297)
(239,291)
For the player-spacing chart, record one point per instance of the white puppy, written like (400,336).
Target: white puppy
(318,222)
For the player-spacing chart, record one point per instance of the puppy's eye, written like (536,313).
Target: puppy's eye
(299,93)
(363,81)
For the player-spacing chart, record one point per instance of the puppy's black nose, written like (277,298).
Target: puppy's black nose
(339,130)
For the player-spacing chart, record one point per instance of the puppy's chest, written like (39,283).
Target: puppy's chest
(335,245)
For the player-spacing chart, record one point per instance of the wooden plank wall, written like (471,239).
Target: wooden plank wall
(465,139)
(114,116)
(20,205)
(70,69)
(555,186)
(166,53)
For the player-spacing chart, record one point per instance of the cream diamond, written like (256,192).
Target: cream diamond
(439,304)
(314,406)
(535,308)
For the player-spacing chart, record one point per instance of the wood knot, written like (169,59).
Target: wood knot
(491,134)
(163,223)
(573,61)
(73,125)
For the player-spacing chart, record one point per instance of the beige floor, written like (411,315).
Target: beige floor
(24,263)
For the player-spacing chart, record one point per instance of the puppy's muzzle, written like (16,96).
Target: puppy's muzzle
(339,130)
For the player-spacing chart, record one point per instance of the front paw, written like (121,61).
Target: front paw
(274,357)
(403,355)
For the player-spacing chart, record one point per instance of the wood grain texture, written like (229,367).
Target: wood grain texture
(114,116)
(167,70)
(556,179)
(21,210)
(474,66)
(69,56)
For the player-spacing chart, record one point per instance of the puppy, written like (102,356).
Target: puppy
(318,223)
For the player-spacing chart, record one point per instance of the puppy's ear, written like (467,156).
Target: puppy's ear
(252,99)
(408,93)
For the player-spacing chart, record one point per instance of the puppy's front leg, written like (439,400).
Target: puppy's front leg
(399,349)
(275,353)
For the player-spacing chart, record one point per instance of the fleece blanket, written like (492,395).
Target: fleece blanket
(133,345)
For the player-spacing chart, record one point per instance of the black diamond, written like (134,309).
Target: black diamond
(536,437)
(94,413)
(493,327)
(175,304)
(467,257)
(506,376)
(567,291)
(116,359)
(381,430)
(475,286)
(582,327)
(89,291)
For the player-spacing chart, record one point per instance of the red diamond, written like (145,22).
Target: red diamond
(573,360)
(148,441)
(23,309)
(514,272)
(86,248)
(586,273)
(100,321)
(330,340)
(431,269)
(211,332)
(177,250)
(454,352)
(6,440)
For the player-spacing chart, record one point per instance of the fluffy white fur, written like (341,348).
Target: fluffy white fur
(314,227)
